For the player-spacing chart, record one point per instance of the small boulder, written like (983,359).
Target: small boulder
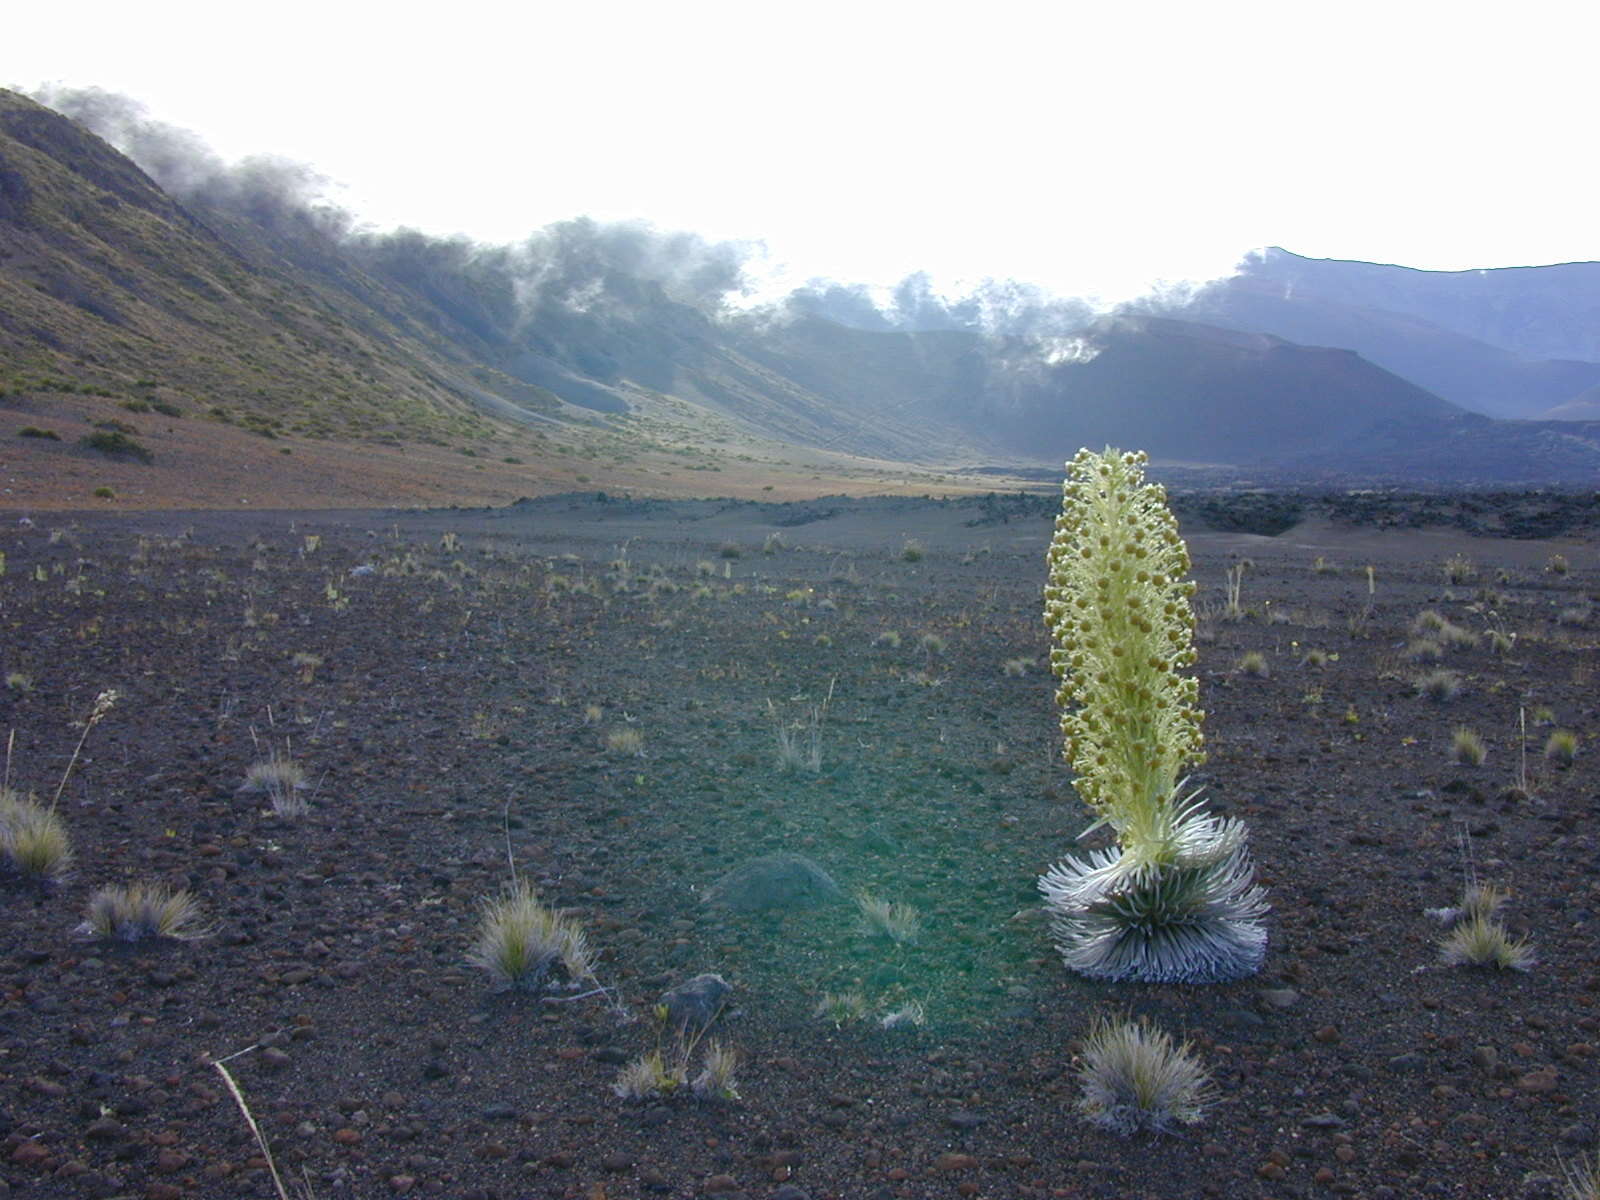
(775,881)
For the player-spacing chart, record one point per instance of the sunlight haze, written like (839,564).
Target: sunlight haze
(1092,150)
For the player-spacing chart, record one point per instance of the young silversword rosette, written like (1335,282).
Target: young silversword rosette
(1176,899)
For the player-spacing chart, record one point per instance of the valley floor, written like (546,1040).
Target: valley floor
(460,681)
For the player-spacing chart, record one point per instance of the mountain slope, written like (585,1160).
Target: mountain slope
(1511,342)
(107,283)
(236,300)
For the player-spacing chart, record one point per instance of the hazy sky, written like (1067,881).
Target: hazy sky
(1086,147)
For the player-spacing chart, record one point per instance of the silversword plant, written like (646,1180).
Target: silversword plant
(1175,899)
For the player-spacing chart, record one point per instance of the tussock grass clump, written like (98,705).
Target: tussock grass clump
(624,740)
(520,940)
(142,911)
(1438,686)
(1574,615)
(841,1008)
(1429,620)
(899,922)
(1581,1181)
(281,780)
(1467,748)
(932,643)
(1557,564)
(1254,664)
(1135,1078)
(1482,942)
(887,640)
(19,682)
(1459,569)
(33,841)
(1315,659)
(1424,650)
(1561,747)
(912,551)
(1015,668)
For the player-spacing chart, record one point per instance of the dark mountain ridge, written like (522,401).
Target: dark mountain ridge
(1511,342)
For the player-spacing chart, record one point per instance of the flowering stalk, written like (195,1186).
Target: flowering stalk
(1117,604)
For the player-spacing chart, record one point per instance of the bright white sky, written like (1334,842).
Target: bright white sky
(1091,148)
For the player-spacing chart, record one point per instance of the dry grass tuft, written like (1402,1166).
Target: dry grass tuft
(520,940)
(141,911)
(33,841)
(1467,748)
(1134,1078)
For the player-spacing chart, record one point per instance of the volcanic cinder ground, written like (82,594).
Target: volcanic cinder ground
(472,669)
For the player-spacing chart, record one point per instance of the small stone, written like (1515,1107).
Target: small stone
(1328,1035)
(1325,1120)
(1271,1171)
(1409,1063)
(962,1119)
(616,1161)
(31,1154)
(694,1005)
(717,1184)
(1541,1081)
(347,1136)
(274,1059)
(104,1130)
(1486,1059)
(1280,997)
(952,1161)
(402,1184)
(499,1111)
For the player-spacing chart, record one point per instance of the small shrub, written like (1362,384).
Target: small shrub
(104,493)
(931,643)
(1438,686)
(166,409)
(1315,659)
(33,431)
(1574,615)
(887,640)
(1323,567)
(1467,748)
(520,940)
(115,444)
(910,1015)
(33,842)
(1557,564)
(1135,1078)
(912,551)
(1562,747)
(1501,642)
(19,683)
(730,550)
(1454,637)
(1254,664)
(143,911)
(1014,668)
(1482,942)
